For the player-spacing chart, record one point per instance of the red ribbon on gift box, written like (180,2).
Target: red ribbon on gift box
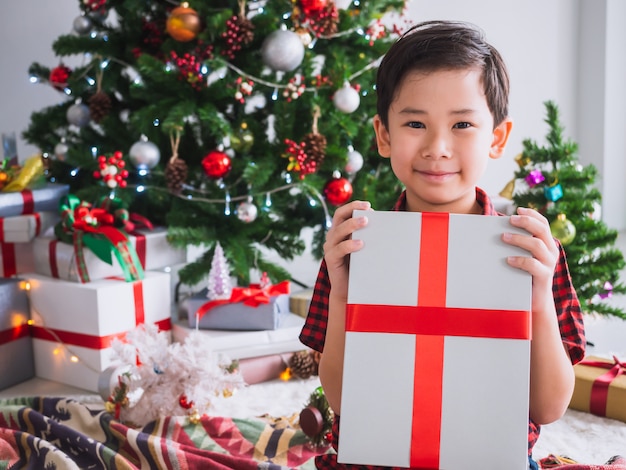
(28,206)
(15,333)
(253,296)
(432,320)
(600,386)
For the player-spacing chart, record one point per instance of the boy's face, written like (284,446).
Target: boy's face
(440,137)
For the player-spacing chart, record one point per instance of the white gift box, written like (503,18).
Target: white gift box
(23,228)
(16,258)
(153,249)
(30,201)
(74,324)
(437,352)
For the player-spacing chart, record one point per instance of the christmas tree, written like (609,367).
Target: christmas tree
(551,180)
(240,122)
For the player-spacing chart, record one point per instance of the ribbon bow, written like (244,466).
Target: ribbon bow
(600,387)
(254,295)
(97,228)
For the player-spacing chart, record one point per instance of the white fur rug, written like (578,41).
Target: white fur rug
(581,436)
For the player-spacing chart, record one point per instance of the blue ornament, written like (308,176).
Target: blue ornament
(553,193)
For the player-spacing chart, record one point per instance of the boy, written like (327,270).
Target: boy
(442,113)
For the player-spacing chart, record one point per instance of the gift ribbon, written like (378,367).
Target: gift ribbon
(252,296)
(84,225)
(600,387)
(431,321)
(15,333)
(28,206)
(9,264)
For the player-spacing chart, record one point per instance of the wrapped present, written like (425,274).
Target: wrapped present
(247,344)
(437,342)
(600,387)
(248,308)
(260,369)
(16,258)
(29,201)
(153,249)
(23,228)
(90,243)
(16,347)
(299,302)
(74,324)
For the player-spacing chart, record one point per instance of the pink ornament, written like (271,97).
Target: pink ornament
(608,291)
(534,178)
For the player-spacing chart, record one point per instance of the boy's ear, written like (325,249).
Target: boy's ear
(500,137)
(382,138)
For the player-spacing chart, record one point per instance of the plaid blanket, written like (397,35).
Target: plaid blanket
(61,433)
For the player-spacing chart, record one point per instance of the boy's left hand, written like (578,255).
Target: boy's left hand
(543,251)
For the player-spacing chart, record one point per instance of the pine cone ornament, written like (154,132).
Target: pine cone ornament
(315,147)
(302,365)
(99,106)
(176,174)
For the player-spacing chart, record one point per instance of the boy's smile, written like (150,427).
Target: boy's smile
(440,137)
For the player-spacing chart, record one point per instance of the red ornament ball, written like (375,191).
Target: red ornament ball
(338,191)
(58,77)
(216,164)
(312,6)
(184,402)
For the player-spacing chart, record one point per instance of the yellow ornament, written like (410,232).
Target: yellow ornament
(183,24)
(563,229)
(30,172)
(522,160)
(507,191)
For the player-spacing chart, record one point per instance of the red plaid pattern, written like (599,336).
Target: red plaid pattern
(567,307)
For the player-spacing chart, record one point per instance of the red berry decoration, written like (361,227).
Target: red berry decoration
(184,402)
(58,77)
(338,190)
(216,164)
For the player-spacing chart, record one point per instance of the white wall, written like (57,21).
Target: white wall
(569,51)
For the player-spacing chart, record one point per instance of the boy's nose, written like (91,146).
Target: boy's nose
(436,146)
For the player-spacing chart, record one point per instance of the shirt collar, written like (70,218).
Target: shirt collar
(481,197)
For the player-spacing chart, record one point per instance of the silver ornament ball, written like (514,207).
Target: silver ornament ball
(78,115)
(355,162)
(283,50)
(346,99)
(144,155)
(247,212)
(60,151)
(82,25)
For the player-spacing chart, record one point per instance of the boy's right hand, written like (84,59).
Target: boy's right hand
(339,245)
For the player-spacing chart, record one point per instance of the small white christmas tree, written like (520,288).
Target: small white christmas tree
(219,286)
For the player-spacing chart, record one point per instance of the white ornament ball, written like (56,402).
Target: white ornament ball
(82,25)
(355,162)
(60,151)
(247,212)
(346,99)
(78,115)
(283,50)
(144,155)
(108,380)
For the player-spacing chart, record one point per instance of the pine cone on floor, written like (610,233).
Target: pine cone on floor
(315,147)
(176,174)
(99,106)
(302,365)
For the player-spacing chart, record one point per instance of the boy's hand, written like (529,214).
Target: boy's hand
(339,245)
(544,254)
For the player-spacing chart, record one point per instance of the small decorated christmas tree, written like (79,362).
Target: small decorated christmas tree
(552,181)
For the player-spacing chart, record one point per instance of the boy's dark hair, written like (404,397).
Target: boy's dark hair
(443,45)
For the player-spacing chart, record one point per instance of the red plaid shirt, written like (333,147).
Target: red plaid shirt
(565,299)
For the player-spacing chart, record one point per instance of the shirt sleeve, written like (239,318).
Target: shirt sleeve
(313,332)
(568,310)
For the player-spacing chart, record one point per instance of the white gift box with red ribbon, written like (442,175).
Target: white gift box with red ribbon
(16,258)
(74,324)
(437,353)
(30,201)
(23,228)
(153,249)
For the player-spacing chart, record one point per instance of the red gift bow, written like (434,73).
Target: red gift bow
(600,387)
(254,295)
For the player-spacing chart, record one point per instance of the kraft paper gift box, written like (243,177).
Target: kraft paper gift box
(16,347)
(437,352)
(16,258)
(23,228)
(600,387)
(299,302)
(81,320)
(236,315)
(45,199)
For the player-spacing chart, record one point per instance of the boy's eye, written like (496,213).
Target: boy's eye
(416,125)
(462,125)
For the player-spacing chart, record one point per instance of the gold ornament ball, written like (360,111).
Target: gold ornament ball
(563,229)
(183,24)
